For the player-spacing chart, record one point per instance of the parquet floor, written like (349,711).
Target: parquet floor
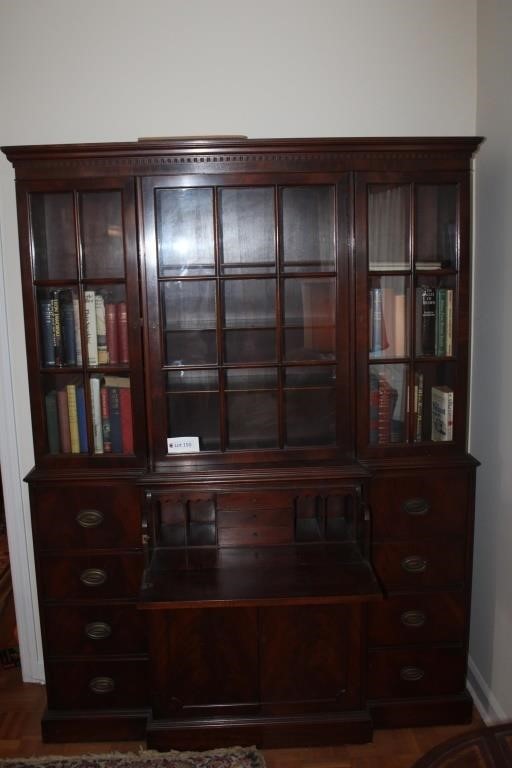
(21,706)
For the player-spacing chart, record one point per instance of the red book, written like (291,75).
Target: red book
(64,433)
(105,420)
(122,332)
(125,397)
(112,335)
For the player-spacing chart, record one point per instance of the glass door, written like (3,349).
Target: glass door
(245,287)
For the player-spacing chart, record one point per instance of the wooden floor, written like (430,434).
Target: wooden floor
(21,706)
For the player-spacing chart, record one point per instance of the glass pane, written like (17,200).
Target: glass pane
(435,316)
(184,230)
(251,378)
(111,414)
(310,376)
(389,219)
(101,229)
(192,381)
(310,416)
(65,410)
(106,325)
(388,404)
(309,317)
(59,324)
(436,227)
(388,322)
(308,228)
(53,234)
(189,322)
(434,385)
(195,415)
(249,317)
(252,420)
(247,222)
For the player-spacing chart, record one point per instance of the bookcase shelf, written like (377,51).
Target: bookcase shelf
(252,501)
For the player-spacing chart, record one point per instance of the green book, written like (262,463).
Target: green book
(441,303)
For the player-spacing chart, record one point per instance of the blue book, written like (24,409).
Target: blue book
(82,420)
(45,318)
(67,327)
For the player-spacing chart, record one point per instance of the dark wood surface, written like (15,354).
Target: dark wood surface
(483,748)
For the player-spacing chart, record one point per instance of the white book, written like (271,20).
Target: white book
(442,414)
(101,330)
(90,327)
(96,414)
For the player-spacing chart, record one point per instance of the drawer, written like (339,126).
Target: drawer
(90,577)
(241,502)
(103,684)
(437,617)
(94,630)
(414,564)
(419,505)
(412,672)
(86,517)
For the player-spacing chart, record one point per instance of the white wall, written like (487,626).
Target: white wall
(91,70)
(491,430)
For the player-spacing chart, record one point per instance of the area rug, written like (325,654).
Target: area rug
(235,757)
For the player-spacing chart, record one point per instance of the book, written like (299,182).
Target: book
(73,418)
(62,409)
(378,336)
(56,333)
(114,409)
(441,299)
(374,408)
(442,413)
(449,322)
(82,419)
(105,419)
(52,421)
(122,332)
(78,336)
(97,426)
(46,329)
(101,331)
(125,399)
(425,320)
(111,332)
(418,406)
(67,325)
(90,327)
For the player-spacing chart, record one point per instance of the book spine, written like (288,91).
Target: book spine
(378,338)
(105,420)
(441,322)
(442,414)
(52,422)
(62,407)
(67,320)
(419,408)
(384,423)
(56,332)
(426,320)
(374,408)
(90,327)
(82,420)
(115,419)
(73,418)
(97,426)
(122,332)
(125,400)
(400,325)
(111,332)
(45,320)
(449,322)
(78,337)
(101,331)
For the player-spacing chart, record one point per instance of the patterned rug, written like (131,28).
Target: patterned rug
(235,757)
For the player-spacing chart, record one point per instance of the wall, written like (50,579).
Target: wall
(490,668)
(90,70)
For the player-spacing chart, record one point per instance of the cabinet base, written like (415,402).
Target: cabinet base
(406,713)
(117,725)
(298,731)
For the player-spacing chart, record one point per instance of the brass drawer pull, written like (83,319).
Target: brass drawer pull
(411,674)
(414,564)
(416,506)
(98,630)
(93,577)
(413,618)
(102,685)
(89,518)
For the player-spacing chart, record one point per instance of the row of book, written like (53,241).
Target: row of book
(387,417)
(434,321)
(111,415)
(106,329)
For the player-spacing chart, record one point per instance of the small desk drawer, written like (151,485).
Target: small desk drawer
(92,577)
(437,617)
(413,672)
(99,684)
(94,630)
(415,564)
(86,517)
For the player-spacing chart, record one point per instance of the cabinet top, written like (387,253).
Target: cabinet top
(219,153)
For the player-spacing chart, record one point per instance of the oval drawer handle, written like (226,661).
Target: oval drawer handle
(414,564)
(102,685)
(93,577)
(413,618)
(98,630)
(90,518)
(411,674)
(416,506)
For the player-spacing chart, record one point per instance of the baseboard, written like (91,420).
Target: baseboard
(485,701)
